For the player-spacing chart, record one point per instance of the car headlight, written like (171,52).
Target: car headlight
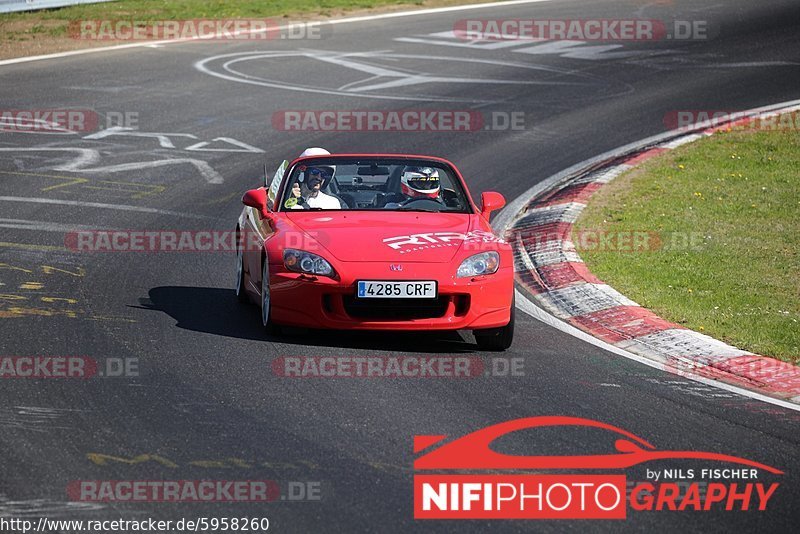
(301,261)
(479,264)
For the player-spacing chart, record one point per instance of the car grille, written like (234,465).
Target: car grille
(390,309)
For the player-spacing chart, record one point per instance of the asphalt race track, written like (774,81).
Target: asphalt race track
(206,403)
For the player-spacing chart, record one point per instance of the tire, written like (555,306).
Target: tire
(497,339)
(266,312)
(241,291)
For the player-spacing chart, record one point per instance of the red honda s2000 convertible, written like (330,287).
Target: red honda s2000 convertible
(375,242)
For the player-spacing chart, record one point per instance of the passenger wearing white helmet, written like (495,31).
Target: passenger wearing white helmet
(314,151)
(315,179)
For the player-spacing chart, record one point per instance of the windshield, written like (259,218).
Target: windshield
(382,184)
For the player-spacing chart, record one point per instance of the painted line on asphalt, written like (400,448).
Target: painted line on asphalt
(44,226)
(102,205)
(346,20)
(91,156)
(32,246)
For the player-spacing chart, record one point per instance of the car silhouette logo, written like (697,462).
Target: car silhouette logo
(474,452)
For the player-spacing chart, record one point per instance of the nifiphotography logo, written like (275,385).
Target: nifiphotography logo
(469,480)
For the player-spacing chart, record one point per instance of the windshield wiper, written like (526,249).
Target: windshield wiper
(420,210)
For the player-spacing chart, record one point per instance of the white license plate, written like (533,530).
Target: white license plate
(377,289)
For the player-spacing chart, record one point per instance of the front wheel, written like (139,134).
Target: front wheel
(497,339)
(266,318)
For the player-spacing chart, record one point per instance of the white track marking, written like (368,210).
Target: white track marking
(89,156)
(40,126)
(347,20)
(399,78)
(243,147)
(582,299)
(45,226)
(163,138)
(120,207)
(682,141)
(536,46)
(211,176)
(85,156)
(579,50)
(478,45)
(750,64)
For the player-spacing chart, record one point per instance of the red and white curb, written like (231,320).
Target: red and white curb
(548,267)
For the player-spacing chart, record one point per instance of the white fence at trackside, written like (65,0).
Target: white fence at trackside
(11,6)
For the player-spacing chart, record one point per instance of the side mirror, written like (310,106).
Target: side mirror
(491,201)
(257,198)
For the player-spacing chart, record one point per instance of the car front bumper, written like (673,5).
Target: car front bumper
(462,303)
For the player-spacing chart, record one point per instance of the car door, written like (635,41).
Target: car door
(259,228)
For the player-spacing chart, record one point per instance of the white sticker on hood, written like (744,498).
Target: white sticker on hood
(409,243)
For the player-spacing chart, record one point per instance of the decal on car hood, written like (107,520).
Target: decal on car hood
(415,242)
(387,236)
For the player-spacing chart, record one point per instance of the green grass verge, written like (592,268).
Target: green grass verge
(738,194)
(190,9)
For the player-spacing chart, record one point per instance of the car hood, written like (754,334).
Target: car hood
(386,236)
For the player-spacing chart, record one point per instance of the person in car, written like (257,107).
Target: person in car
(417,183)
(314,179)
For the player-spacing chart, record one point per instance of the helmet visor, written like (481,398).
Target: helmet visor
(424,180)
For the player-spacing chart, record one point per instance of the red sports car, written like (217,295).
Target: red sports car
(375,242)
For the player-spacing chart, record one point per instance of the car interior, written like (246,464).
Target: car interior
(373,185)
